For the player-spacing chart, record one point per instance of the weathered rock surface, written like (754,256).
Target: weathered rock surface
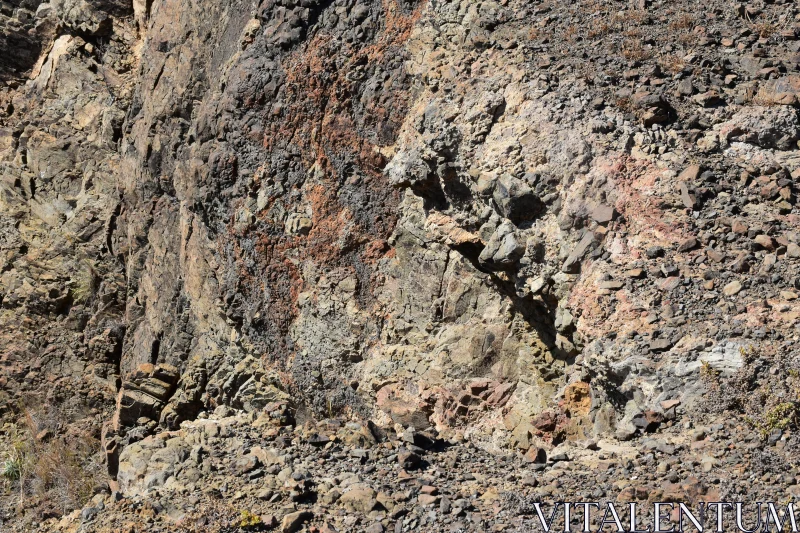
(242,243)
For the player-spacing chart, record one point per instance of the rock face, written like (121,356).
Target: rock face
(515,224)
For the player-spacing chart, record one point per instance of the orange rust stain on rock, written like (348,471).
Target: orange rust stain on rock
(328,238)
(376,250)
(326,123)
(642,213)
(321,116)
(323,122)
(577,399)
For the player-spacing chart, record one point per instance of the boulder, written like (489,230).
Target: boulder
(358,500)
(515,200)
(782,91)
(403,407)
(504,249)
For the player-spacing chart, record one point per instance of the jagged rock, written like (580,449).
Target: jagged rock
(515,200)
(504,250)
(766,127)
(293,522)
(408,460)
(358,500)
(603,214)
(781,91)
(404,408)
(133,404)
(732,288)
(572,264)
(293,248)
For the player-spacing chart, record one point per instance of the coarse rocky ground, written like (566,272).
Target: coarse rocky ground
(364,265)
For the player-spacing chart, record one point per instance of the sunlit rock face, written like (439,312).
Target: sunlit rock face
(515,223)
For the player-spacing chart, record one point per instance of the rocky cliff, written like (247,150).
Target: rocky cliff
(506,251)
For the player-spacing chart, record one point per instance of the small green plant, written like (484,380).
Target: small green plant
(11,469)
(748,353)
(707,371)
(249,520)
(781,416)
(83,287)
(15,463)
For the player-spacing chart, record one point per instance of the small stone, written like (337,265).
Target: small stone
(573,262)
(740,227)
(544,421)
(408,460)
(671,283)
(741,264)
(685,87)
(688,198)
(765,241)
(661,345)
(318,440)
(358,500)
(445,505)
(732,288)
(376,527)
(793,250)
(689,244)
(536,455)
(293,522)
(428,499)
(690,173)
(635,273)
(665,448)
(708,463)
(88,514)
(709,99)
(246,464)
(603,214)
(782,91)
(669,404)
(648,421)
(669,270)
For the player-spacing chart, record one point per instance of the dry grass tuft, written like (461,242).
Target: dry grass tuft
(672,63)
(766,30)
(634,50)
(47,469)
(684,21)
